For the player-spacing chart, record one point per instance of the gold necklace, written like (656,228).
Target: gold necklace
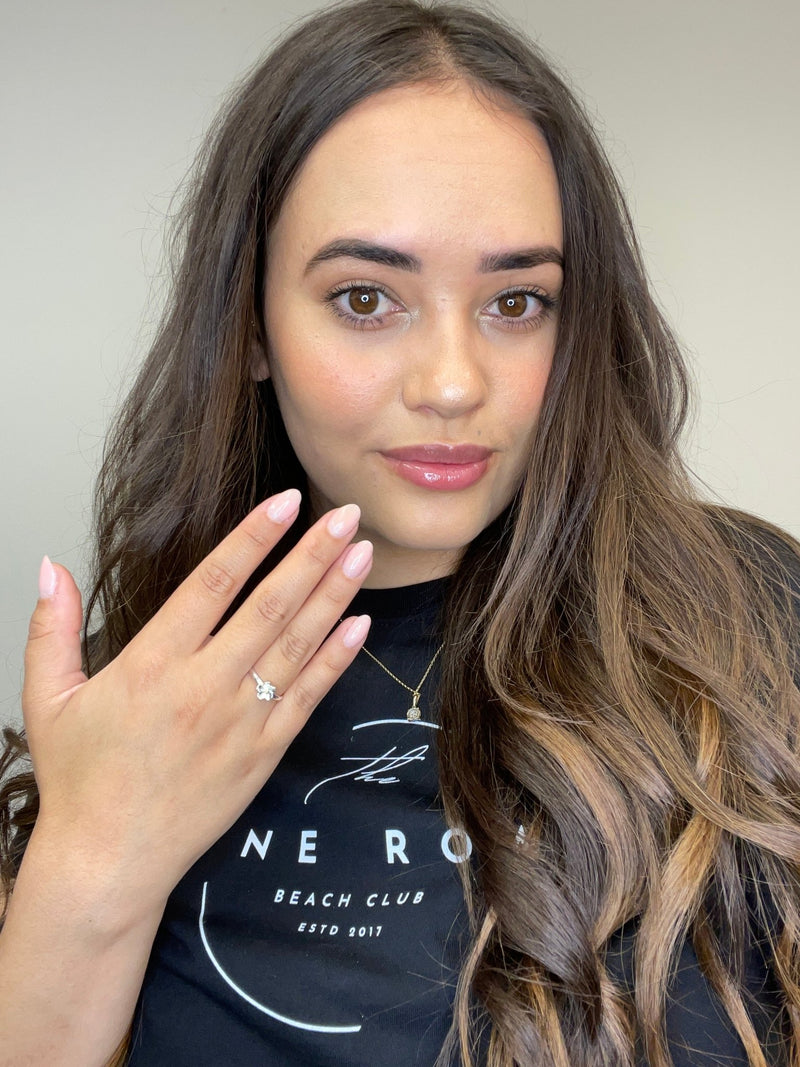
(414,712)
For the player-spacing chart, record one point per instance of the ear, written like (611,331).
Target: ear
(259,364)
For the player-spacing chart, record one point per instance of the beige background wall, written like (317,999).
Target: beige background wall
(103,104)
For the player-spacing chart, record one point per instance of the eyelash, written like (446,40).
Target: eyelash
(367,322)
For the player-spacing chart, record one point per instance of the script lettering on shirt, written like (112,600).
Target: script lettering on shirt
(376,769)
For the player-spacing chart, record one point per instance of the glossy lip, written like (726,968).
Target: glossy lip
(439,466)
(436,453)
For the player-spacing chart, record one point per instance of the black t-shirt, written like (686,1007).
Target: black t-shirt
(326,927)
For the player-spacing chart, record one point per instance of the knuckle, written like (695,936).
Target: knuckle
(187,711)
(257,536)
(316,553)
(189,701)
(271,608)
(39,628)
(217,579)
(334,594)
(149,669)
(332,665)
(304,698)
(294,647)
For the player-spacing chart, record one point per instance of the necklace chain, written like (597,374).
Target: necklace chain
(414,712)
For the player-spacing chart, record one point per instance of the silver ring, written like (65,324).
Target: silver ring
(265,690)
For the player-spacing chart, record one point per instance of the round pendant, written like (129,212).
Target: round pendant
(413,714)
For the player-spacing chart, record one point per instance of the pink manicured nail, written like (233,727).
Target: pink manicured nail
(47,579)
(357,558)
(344,520)
(356,632)
(284,506)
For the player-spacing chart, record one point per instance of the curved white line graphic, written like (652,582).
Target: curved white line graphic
(254,1003)
(405,722)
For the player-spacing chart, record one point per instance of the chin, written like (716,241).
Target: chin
(424,539)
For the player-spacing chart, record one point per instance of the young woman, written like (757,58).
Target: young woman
(427,713)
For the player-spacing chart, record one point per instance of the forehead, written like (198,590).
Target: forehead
(424,161)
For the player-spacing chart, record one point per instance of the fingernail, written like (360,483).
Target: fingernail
(356,559)
(344,520)
(47,579)
(284,506)
(356,632)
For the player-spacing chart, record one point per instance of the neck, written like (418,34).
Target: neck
(394,566)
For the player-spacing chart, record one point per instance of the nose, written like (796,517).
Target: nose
(445,374)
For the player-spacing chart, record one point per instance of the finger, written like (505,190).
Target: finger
(200,601)
(304,634)
(286,718)
(272,605)
(53,651)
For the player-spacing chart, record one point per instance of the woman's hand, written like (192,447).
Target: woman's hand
(142,767)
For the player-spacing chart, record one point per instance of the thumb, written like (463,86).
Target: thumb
(53,652)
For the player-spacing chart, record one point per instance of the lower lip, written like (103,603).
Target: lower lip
(441,476)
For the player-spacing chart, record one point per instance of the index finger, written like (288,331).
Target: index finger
(190,614)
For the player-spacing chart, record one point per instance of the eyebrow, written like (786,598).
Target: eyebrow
(520,259)
(352,248)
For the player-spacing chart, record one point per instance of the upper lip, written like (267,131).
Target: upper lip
(439,453)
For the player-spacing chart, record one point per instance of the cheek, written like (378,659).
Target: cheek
(324,393)
(525,393)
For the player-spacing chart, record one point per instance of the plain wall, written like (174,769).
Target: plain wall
(103,105)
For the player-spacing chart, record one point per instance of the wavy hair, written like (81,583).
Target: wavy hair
(620,720)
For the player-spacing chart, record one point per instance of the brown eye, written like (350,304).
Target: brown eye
(363,301)
(513,305)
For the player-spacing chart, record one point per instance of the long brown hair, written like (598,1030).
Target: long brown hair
(620,722)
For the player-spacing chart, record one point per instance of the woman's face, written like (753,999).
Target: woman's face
(411,306)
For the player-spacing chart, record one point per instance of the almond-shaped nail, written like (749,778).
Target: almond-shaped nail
(47,579)
(356,632)
(284,506)
(357,559)
(344,520)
